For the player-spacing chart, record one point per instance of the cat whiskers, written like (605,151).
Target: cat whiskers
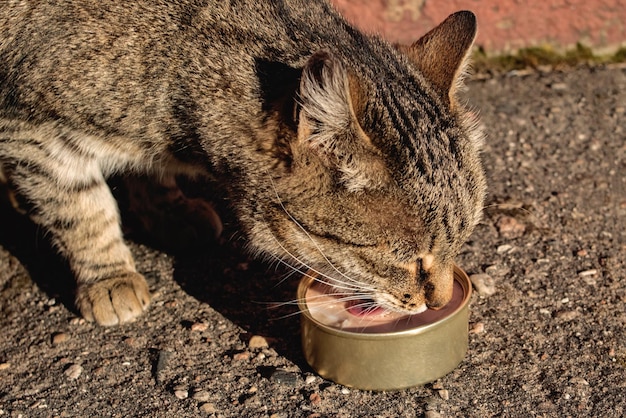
(317,275)
(351,283)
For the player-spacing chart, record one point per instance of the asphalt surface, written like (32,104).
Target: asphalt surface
(549,340)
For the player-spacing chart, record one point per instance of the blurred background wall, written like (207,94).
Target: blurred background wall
(505,26)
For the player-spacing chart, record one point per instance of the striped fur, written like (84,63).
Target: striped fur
(337,151)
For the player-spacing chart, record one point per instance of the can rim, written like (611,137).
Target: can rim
(309,276)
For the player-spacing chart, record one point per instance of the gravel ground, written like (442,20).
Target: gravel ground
(547,329)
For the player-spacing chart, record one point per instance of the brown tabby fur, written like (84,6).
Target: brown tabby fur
(337,151)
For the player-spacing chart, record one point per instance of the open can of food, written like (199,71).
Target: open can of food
(377,353)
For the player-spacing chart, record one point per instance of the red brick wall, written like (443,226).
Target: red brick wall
(504,25)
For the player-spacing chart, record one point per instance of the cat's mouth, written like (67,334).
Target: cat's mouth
(369,308)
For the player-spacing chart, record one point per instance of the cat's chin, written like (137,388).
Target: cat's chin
(368,308)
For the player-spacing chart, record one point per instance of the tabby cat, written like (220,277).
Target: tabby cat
(337,151)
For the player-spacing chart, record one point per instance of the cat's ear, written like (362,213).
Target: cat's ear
(332,101)
(442,54)
(326,108)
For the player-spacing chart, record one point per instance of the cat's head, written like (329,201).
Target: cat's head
(384,182)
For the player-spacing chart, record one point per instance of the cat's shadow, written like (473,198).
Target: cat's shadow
(249,293)
(258,297)
(28,244)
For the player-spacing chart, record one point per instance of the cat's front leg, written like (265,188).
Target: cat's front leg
(65,193)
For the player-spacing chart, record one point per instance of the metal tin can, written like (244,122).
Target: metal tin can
(389,360)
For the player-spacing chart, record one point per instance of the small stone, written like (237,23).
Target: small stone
(567,315)
(258,341)
(478,328)
(510,227)
(201,396)
(74,371)
(504,248)
(559,86)
(181,392)
(431,403)
(579,381)
(244,355)
(345,391)
(484,284)
(432,414)
(161,365)
(437,386)
(208,408)
(199,326)
(582,253)
(59,338)
(587,273)
(284,377)
(315,398)
(5,366)
(444,394)
(310,379)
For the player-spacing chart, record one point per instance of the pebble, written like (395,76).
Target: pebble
(181,392)
(258,341)
(484,284)
(315,398)
(4,366)
(161,365)
(284,377)
(504,248)
(310,379)
(432,414)
(59,338)
(586,273)
(244,355)
(567,315)
(437,386)
(559,86)
(201,396)
(74,371)
(579,381)
(199,326)
(444,394)
(510,227)
(345,391)
(130,341)
(208,408)
(478,328)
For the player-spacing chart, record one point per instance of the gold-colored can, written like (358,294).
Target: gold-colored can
(388,360)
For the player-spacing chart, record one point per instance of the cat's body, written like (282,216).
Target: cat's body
(334,149)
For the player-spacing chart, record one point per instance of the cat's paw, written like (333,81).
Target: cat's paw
(114,301)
